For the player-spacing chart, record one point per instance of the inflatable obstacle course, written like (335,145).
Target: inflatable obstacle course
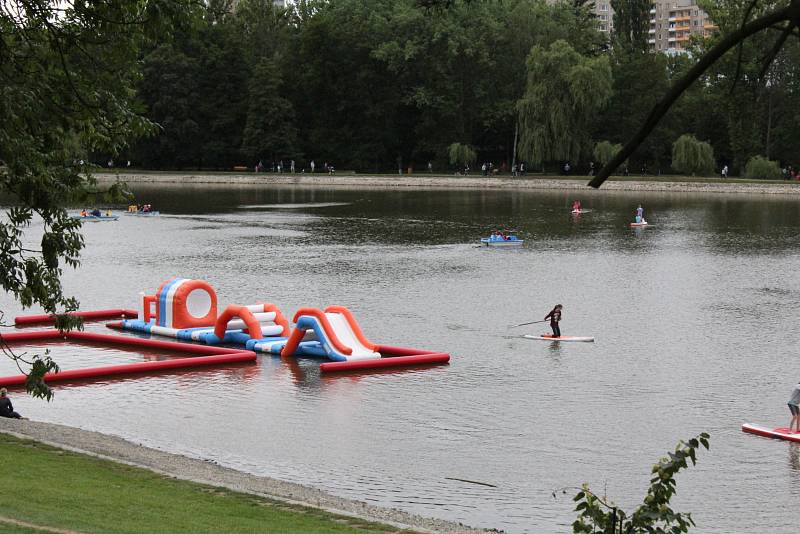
(187,311)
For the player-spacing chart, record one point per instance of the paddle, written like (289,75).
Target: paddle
(532,322)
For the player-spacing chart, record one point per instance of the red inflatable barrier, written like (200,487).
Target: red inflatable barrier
(35,335)
(86,315)
(139,367)
(429,358)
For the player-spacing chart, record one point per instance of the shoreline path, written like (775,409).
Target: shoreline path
(662,184)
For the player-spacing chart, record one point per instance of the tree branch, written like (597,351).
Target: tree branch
(708,59)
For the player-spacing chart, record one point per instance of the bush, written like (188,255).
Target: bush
(759,168)
(604,151)
(461,154)
(691,156)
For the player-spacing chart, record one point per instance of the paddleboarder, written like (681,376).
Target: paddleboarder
(639,214)
(555,317)
(576,206)
(794,407)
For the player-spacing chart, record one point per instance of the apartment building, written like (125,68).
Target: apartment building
(605,16)
(674,22)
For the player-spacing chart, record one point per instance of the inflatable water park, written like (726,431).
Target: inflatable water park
(187,311)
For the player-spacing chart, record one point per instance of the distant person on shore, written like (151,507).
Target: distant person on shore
(291,167)
(522,169)
(566,168)
(555,318)
(430,167)
(725,172)
(312,166)
(794,408)
(6,408)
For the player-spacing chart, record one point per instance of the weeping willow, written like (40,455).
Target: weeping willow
(565,92)
(692,156)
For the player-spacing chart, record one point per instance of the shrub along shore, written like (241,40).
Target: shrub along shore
(664,183)
(63,479)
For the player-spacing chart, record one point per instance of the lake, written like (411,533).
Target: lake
(694,317)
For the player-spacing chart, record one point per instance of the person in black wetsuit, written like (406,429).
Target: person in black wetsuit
(6,408)
(555,317)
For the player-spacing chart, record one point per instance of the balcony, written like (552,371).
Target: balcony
(651,41)
(651,30)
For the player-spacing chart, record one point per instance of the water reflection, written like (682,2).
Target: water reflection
(681,309)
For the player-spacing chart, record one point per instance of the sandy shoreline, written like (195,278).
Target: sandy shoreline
(210,473)
(447,182)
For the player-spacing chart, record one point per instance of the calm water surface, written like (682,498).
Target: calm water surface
(695,320)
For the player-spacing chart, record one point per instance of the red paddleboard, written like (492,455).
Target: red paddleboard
(775,433)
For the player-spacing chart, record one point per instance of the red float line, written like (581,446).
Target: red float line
(428,358)
(86,315)
(35,335)
(208,355)
(139,367)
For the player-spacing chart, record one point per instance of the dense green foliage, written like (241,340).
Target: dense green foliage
(654,515)
(67,88)
(760,168)
(385,84)
(691,156)
(93,495)
(564,96)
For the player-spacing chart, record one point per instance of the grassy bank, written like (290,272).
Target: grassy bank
(51,488)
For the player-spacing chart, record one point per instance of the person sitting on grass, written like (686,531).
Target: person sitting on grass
(6,408)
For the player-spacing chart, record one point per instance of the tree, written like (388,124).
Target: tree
(461,154)
(760,168)
(67,77)
(270,132)
(654,515)
(605,151)
(692,156)
(564,95)
(782,16)
(631,22)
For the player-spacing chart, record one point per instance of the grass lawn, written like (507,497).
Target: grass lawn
(49,487)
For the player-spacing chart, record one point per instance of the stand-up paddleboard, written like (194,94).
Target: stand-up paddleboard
(578,212)
(774,433)
(640,225)
(548,337)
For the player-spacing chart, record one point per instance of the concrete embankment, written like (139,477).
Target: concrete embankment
(449,182)
(206,472)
